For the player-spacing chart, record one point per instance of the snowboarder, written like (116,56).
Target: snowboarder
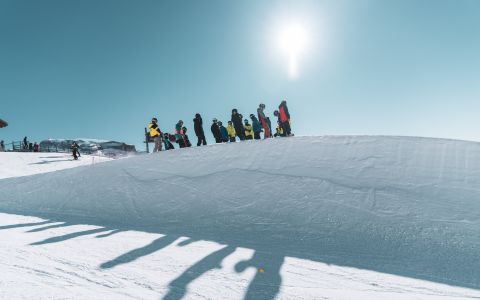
(223,132)
(231,132)
(263,120)
(198,126)
(237,123)
(75,151)
(216,131)
(179,134)
(284,118)
(156,135)
(257,128)
(185,137)
(248,131)
(166,142)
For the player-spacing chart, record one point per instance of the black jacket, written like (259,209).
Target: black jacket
(198,126)
(216,130)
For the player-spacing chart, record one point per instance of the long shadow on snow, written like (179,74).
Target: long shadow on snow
(344,240)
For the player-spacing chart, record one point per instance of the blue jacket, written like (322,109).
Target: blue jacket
(223,132)
(256,125)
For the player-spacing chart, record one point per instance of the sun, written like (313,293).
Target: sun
(293,40)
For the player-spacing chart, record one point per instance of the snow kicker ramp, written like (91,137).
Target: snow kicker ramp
(399,205)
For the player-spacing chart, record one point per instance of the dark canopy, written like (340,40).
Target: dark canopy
(3,123)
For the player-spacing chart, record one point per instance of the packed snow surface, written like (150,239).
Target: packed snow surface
(14,164)
(293,218)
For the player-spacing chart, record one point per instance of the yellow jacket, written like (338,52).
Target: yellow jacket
(154,130)
(248,130)
(279,130)
(231,131)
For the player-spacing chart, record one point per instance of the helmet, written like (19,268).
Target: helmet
(180,121)
(234,110)
(275,113)
(214,120)
(246,120)
(262,105)
(154,119)
(219,123)
(252,116)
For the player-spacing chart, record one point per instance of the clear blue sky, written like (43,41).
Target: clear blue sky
(102,69)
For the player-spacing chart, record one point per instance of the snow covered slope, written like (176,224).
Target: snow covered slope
(396,206)
(14,164)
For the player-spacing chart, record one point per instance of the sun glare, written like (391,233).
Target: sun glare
(293,41)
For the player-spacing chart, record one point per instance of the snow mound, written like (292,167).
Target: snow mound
(398,205)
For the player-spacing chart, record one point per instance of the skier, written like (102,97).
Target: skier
(216,131)
(198,126)
(263,120)
(257,128)
(237,123)
(231,132)
(2,146)
(223,132)
(179,134)
(156,135)
(25,143)
(167,143)
(284,118)
(185,137)
(248,131)
(75,150)
(35,147)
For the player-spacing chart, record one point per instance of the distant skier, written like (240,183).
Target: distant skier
(284,118)
(237,123)
(248,130)
(166,142)
(75,151)
(156,135)
(198,126)
(263,120)
(231,132)
(185,137)
(257,128)
(179,134)
(223,132)
(2,146)
(35,147)
(216,131)
(25,143)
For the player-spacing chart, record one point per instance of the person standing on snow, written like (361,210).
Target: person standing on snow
(179,134)
(279,130)
(198,127)
(185,137)
(237,123)
(231,132)
(248,131)
(216,131)
(156,135)
(257,128)
(284,118)
(223,132)
(263,120)
(75,152)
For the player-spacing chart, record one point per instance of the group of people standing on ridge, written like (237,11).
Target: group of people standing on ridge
(236,127)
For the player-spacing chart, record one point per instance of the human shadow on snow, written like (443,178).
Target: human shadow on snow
(273,229)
